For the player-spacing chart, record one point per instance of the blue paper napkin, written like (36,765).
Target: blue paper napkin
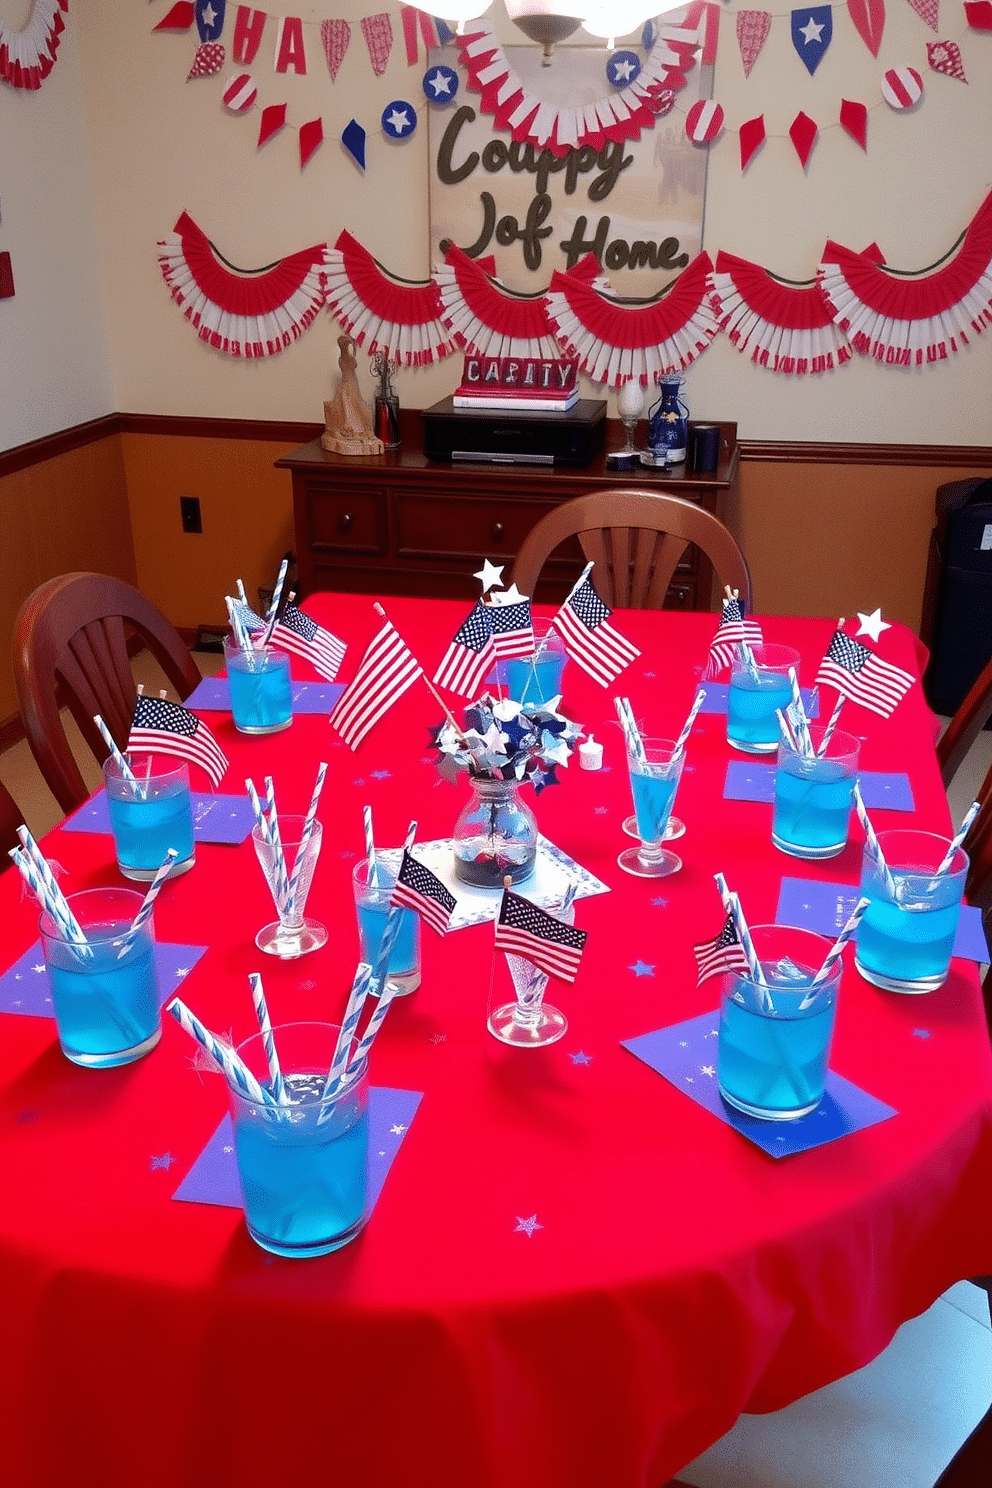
(213,695)
(826,907)
(686,1055)
(215,818)
(213,1178)
(716,699)
(24,988)
(752,780)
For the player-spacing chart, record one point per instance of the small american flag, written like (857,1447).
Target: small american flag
(525,930)
(296,632)
(470,654)
(725,953)
(419,889)
(387,669)
(734,629)
(158,725)
(513,632)
(861,676)
(584,624)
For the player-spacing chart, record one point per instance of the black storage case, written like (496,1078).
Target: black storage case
(527,437)
(957,607)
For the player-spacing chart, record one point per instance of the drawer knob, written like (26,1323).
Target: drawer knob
(497,530)
(345,521)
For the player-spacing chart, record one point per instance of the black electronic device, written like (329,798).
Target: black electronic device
(957,622)
(528,437)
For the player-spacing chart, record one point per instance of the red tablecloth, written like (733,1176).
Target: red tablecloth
(678,1276)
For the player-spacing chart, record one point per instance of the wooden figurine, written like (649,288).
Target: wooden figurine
(347,417)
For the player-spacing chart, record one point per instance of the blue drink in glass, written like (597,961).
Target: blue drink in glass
(261,696)
(105,994)
(653,801)
(303,1169)
(754,696)
(535,679)
(149,814)
(655,770)
(372,908)
(906,937)
(774,1043)
(814,796)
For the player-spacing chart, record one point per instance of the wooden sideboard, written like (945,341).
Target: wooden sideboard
(399,523)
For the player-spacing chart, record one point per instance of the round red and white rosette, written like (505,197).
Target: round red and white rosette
(241,312)
(394,316)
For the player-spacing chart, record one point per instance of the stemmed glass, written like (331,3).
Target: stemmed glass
(288,863)
(655,770)
(530,1022)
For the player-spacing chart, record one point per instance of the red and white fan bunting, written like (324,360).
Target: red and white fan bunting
(396,317)
(908,319)
(28,56)
(244,313)
(485,317)
(786,327)
(615,339)
(618,115)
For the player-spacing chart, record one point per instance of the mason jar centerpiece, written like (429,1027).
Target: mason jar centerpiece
(503,746)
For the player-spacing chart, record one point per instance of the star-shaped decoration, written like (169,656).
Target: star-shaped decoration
(542,778)
(380,774)
(209,15)
(659,902)
(182,971)
(527,1226)
(642,969)
(872,625)
(508,596)
(397,1129)
(163,1161)
(39,968)
(398,121)
(489,575)
(439,1038)
(581,1058)
(812,31)
(622,70)
(228,1147)
(921,1033)
(707,1069)
(439,82)
(600,810)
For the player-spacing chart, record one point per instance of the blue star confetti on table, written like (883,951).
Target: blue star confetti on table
(527,1226)
(641,969)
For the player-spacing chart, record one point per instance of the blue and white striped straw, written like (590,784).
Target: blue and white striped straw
(349,1023)
(828,732)
(958,838)
(797,714)
(148,903)
(873,844)
(268,1039)
(631,733)
(240,633)
(37,873)
(305,836)
(835,952)
(126,772)
(272,814)
(680,742)
(232,1067)
(732,905)
(372,873)
(273,609)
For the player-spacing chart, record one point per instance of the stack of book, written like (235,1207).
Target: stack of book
(515,384)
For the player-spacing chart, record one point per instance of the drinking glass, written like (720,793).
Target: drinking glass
(303,1167)
(289,876)
(814,796)
(261,696)
(774,1043)
(371,909)
(655,771)
(149,814)
(529,1022)
(755,693)
(906,937)
(536,679)
(105,993)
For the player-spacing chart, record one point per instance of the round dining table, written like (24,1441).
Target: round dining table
(574,1275)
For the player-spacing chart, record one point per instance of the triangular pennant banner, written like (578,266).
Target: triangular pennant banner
(812,32)
(869,21)
(273,119)
(752,32)
(378,33)
(179,18)
(945,57)
(353,139)
(803,132)
(927,10)
(335,35)
(752,136)
(414,20)
(854,120)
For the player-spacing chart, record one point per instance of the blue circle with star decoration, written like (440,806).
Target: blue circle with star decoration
(399,119)
(649,35)
(440,84)
(622,68)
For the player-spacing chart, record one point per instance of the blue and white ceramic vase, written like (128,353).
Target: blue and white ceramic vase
(668,423)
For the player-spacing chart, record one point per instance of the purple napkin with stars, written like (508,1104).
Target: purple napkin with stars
(716,699)
(215,818)
(686,1055)
(24,988)
(213,695)
(213,1178)
(826,907)
(752,780)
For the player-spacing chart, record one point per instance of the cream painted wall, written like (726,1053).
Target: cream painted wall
(161,144)
(54,366)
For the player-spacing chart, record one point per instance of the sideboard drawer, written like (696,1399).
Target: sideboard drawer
(352,519)
(428,525)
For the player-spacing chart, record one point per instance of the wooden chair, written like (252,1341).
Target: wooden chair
(11,818)
(636,538)
(964,728)
(71,649)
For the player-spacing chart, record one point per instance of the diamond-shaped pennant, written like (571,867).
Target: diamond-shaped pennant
(803,132)
(854,120)
(978,14)
(945,57)
(180,17)
(353,139)
(752,137)
(273,119)
(311,138)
